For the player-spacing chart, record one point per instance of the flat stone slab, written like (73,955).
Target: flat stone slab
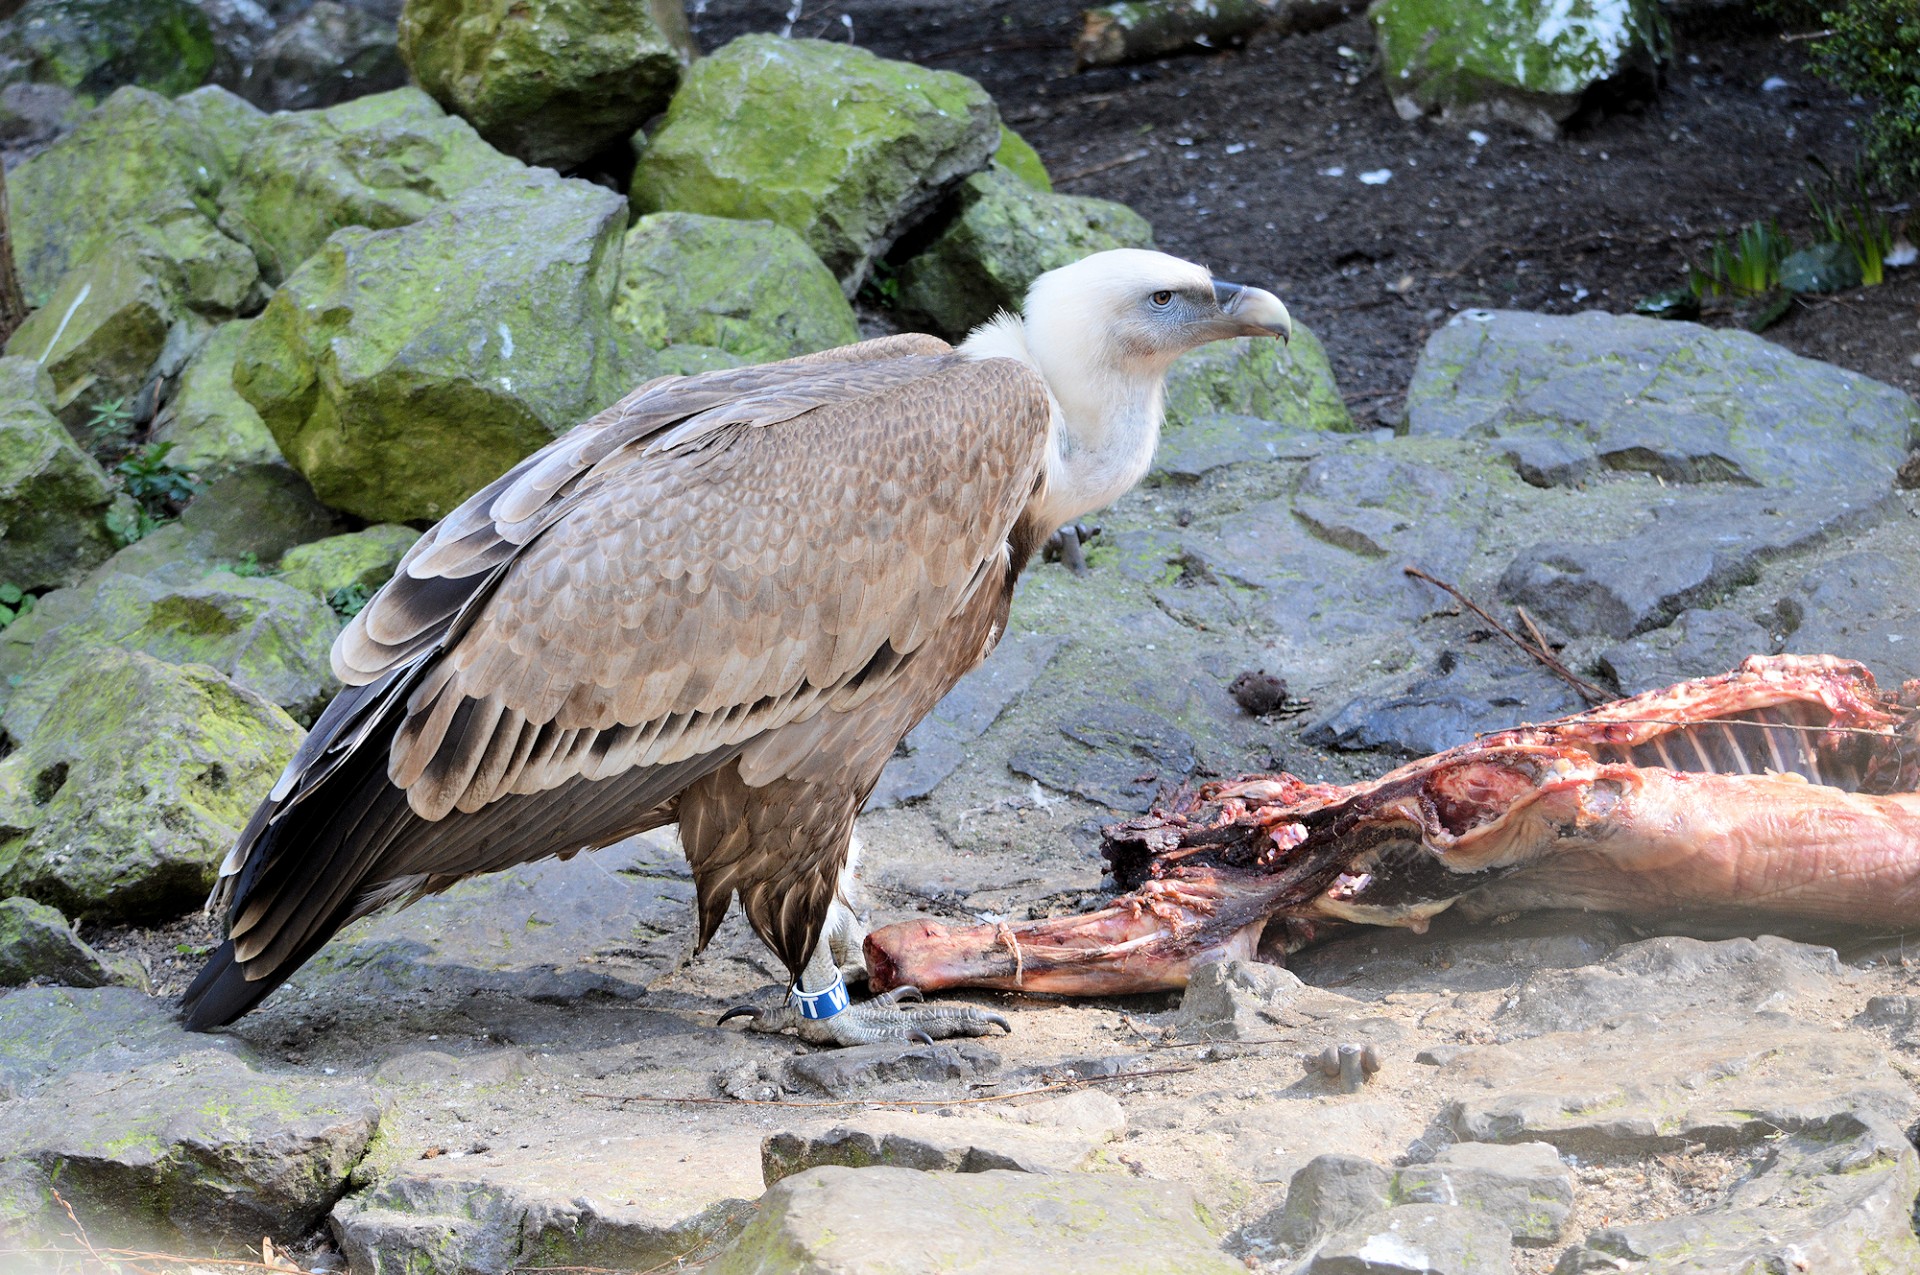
(871,1071)
(1417,1239)
(870,1221)
(1053,1136)
(1523,1186)
(1687,403)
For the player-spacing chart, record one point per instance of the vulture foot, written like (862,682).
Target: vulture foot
(882,1020)
(1065,546)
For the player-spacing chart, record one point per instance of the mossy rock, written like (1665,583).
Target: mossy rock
(751,288)
(400,370)
(1005,235)
(53,497)
(132,783)
(211,428)
(1018,157)
(1290,384)
(267,636)
(358,560)
(144,169)
(548,81)
(1527,62)
(98,335)
(842,147)
(37,943)
(95,46)
(381,161)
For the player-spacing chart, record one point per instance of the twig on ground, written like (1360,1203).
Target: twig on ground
(1540,651)
(1131,157)
(1077,1083)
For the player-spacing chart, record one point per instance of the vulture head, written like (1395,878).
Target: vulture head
(1102,333)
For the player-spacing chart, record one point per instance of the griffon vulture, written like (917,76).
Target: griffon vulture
(721,602)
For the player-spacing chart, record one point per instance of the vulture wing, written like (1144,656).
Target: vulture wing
(626,611)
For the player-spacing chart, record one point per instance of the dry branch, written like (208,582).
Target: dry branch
(1144,29)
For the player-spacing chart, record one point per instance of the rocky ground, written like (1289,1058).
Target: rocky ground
(526,1073)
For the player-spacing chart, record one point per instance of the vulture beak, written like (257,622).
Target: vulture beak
(1253,311)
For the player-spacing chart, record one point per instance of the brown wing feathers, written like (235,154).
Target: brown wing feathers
(610,621)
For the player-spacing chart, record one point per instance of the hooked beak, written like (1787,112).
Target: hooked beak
(1255,311)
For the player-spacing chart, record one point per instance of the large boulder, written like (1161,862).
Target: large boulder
(243,519)
(381,161)
(1288,384)
(54,497)
(362,560)
(210,427)
(95,46)
(37,943)
(145,170)
(98,335)
(399,370)
(1566,396)
(828,140)
(751,288)
(267,636)
(1526,62)
(1005,234)
(549,81)
(328,54)
(132,781)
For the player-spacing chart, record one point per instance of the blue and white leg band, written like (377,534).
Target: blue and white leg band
(824,1003)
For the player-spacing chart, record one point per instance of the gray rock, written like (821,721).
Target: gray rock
(1290,385)
(211,428)
(98,334)
(54,498)
(937,746)
(451,1215)
(1688,403)
(1417,1239)
(1251,1000)
(1549,461)
(1051,1137)
(1523,1186)
(1825,267)
(95,46)
(866,1071)
(1461,955)
(36,942)
(50,1033)
(328,54)
(1431,712)
(1215,440)
(1849,605)
(1699,643)
(1672,978)
(1329,1194)
(201,1149)
(1694,549)
(1648,1086)
(848,1221)
(1836,1195)
(1115,754)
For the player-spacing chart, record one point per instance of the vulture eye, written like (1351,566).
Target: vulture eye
(1161,300)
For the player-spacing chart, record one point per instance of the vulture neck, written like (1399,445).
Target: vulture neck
(1105,419)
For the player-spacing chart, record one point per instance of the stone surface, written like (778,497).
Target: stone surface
(845,1220)
(1445,705)
(1289,384)
(1687,403)
(359,559)
(843,147)
(144,172)
(1330,1193)
(244,519)
(553,81)
(400,370)
(1523,1186)
(1117,755)
(98,334)
(1016,155)
(869,1071)
(265,635)
(935,748)
(380,162)
(1004,234)
(1249,1000)
(37,943)
(751,288)
(1699,643)
(1525,62)
(1850,604)
(202,1149)
(125,790)
(1417,1239)
(328,54)
(1836,1195)
(95,46)
(53,497)
(210,426)
(1054,1136)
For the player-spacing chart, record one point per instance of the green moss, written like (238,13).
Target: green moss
(362,558)
(751,288)
(209,425)
(98,334)
(826,139)
(1291,384)
(94,46)
(53,500)
(1017,156)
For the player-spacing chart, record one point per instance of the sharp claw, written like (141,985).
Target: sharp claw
(904,992)
(740,1011)
(916,1034)
(999,1021)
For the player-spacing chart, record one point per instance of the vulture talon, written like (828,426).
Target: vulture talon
(740,1011)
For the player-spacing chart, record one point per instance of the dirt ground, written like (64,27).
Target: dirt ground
(1229,155)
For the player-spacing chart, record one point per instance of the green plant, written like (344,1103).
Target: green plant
(110,425)
(1871,47)
(248,567)
(14,603)
(1846,216)
(161,488)
(127,522)
(348,600)
(1746,265)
